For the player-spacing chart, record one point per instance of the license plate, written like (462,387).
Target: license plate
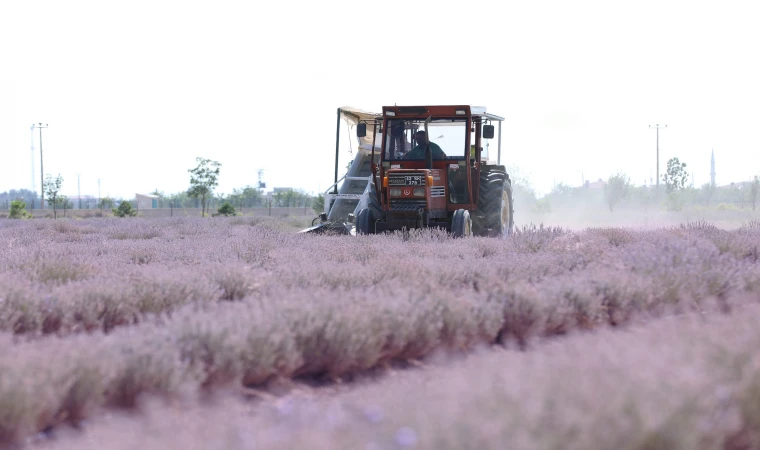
(413,180)
(407,180)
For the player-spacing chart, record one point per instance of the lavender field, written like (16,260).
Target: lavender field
(97,315)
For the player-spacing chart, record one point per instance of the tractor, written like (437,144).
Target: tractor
(425,167)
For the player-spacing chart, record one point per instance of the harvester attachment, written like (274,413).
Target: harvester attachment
(329,227)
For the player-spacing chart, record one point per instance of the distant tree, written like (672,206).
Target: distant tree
(64,203)
(203,179)
(562,189)
(289,197)
(226,210)
(318,204)
(106,202)
(19,194)
(181,200)
(18,210)
(676,177)
(52,188)
(245,197)
(644,195)
(124,210)
(706,193)
(754,189)
(618,187)
(251,196)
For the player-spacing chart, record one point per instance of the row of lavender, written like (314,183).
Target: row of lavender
(100,312)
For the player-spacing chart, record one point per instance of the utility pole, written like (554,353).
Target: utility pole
(657,127)
(42,171)
(34,183)
(79,192)
(99,195)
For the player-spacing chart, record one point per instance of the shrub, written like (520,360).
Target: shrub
(226,210)
(124,210)
(18,210)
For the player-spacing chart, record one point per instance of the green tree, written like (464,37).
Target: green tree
(706,193)
(64,202)
(226,210)
(52,188)
(18,210)
(618,187)
(290,197)
(124,210)
(251,196)
(675,177)
(644,195)
(181,200)
(105,202)
(203,179)
(754,189)
(319,203)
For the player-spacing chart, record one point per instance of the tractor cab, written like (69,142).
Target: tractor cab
(430,170)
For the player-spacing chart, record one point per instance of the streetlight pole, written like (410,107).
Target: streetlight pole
(657,127)
(42,171)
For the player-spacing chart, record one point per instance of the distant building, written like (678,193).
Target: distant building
(146,201)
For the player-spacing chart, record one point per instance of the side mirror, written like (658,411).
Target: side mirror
(361,130)
(487,131)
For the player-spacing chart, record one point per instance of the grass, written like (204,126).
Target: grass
(201,305)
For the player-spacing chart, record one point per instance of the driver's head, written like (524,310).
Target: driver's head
(421,137)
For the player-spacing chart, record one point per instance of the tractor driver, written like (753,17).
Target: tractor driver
(418,152)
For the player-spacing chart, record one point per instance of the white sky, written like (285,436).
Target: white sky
(134,91)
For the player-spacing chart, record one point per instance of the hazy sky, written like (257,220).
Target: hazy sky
(134,91)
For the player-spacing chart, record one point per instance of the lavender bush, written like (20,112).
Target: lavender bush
(99,312)
(680,383)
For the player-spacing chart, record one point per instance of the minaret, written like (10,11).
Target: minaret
(712,169)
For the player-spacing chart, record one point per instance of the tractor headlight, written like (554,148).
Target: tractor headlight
(419,192)
(395,192)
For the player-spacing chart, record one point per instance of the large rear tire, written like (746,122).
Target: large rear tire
(373,203)
(495,213)
(461,224)
(364,222)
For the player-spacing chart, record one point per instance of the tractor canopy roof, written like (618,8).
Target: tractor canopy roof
(424,111)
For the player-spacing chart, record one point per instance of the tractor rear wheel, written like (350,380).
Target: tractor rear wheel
(495,213)
(373,203)
(461,224)
(364,222)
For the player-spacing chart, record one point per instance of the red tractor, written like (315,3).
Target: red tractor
(434,172)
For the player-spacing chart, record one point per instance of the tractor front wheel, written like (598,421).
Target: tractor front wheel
(461,224)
